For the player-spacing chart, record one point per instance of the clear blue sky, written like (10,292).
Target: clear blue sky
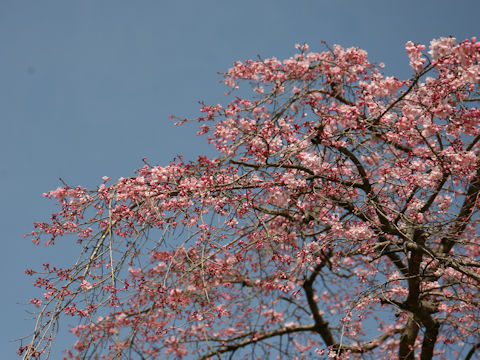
(86,88)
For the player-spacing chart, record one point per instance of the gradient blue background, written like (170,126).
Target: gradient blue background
(86,88)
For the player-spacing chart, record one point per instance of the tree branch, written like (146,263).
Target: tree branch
(321,326)
(464,214)
(429,338)
(472,351)
(407,339)
(259,337)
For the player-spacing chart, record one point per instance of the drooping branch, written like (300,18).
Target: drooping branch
(372,344)
(312,174)
(257,337)
(361,170)
(321,326)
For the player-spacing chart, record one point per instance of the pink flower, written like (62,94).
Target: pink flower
(85,285)
(441,47)
(36,302)
(414,52)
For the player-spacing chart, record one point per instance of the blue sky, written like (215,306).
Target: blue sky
(86,88)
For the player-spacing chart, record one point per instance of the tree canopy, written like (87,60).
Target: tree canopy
(338,220)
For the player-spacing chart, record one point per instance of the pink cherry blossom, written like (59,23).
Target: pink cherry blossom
(339,219)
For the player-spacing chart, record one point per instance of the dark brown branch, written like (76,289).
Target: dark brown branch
(429,338)
(472,144)
(372,344)
(301,168)
(416,256)
(472,99)
(259,337)
(417,314)
(405,93)
(464,214)
(407,203)
(385,228)
(332,94)
(395,259)
(283,213)
(432,197)
(472,351)
(407,339)
(457,265)
(321,326)
(361,170)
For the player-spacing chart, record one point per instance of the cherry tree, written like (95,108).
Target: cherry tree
(338,220)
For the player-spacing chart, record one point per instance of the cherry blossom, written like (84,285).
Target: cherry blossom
(338,220)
